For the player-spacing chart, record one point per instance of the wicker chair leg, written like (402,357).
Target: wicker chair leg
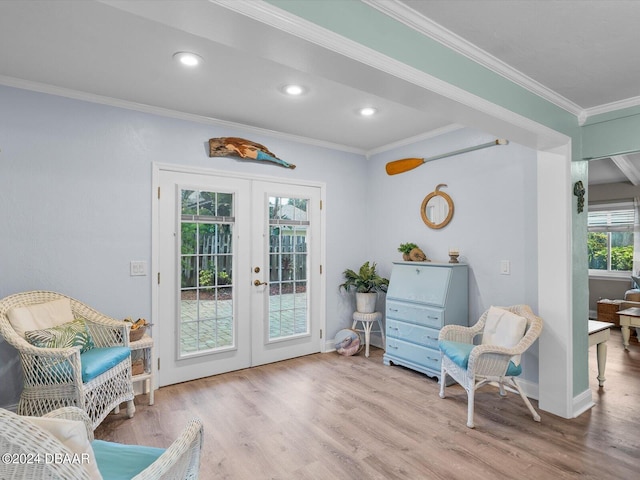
(501,388)
(471,395)
(131,409)
(535,415)
(443,381)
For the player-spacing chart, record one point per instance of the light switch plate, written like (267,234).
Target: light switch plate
(505,267)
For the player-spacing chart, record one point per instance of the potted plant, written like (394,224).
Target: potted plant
(405,249)
(367,283)
(412,253)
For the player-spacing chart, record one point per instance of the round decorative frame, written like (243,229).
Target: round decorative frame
(423,208)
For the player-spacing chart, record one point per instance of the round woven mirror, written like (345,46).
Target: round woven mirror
(437,208)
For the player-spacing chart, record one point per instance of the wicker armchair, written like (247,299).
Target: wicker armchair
(53,376)
(467,363)
(21,438)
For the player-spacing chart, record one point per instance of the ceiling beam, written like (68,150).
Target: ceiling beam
(626,166)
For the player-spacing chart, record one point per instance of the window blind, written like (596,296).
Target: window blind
(619,220)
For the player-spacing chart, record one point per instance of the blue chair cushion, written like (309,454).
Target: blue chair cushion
(459,354)
(123,462)
(98,360)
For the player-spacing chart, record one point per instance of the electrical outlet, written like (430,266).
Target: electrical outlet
(137,268)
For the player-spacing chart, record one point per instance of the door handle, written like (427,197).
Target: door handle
(257,283)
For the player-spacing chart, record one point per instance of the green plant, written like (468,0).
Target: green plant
(366,280)
(407,247)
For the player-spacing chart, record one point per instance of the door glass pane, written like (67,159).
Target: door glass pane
(206,287)
(288,235)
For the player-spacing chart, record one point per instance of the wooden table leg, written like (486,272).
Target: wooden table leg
(602,361)
(626,333)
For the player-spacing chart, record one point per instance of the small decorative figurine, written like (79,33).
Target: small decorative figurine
(243,148)
(453,255)
(579,191)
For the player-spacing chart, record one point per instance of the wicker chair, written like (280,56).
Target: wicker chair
(485,363)
(53,376)
(21,438)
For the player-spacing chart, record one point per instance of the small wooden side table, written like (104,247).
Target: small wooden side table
(598,335)
(367,320)
(629,317)
(144,348)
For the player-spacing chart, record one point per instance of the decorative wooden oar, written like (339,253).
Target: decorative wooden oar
(406,164)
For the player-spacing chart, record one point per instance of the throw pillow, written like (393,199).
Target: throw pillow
(73,435)
(40,315)
(70,334)
(504,329)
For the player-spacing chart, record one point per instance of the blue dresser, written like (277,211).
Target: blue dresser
(421,299)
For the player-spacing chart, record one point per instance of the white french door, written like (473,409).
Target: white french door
(239,273)
(286,272)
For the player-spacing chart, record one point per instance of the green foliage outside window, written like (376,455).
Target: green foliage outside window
(621,250)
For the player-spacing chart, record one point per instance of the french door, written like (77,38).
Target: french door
(239,273)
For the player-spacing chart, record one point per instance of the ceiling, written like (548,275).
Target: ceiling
(580,54)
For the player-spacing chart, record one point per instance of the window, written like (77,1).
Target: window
(610,238)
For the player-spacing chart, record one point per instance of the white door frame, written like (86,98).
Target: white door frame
(155,250)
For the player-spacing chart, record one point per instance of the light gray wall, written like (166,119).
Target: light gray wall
(75,196)
(75,190)
(494,196)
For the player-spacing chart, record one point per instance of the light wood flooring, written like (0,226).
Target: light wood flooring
(325,416)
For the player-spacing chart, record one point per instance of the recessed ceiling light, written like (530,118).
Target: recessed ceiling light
(367,111)
(294,90)
(188,59)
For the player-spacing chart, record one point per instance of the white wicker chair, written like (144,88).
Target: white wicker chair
(487,363)
(18,436)
(52,376)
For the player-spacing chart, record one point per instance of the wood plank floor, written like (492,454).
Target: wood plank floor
(325,416)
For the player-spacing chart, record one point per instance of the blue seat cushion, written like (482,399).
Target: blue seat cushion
(459,354)
(123,462)
(96,361)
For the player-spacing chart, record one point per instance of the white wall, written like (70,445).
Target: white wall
(75,196)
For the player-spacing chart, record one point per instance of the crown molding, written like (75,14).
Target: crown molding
(266,13)
(166,112)
(406,15)
(415,139)
(610,107)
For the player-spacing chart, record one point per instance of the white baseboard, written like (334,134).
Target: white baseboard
(582,403)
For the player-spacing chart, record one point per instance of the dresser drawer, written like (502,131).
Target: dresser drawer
(413,333)
(421,315)
(418,354)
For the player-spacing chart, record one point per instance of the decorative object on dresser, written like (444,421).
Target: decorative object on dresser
(454,253)
(412,253)
(366,283)
(421,299)
(507,332)
(437,208)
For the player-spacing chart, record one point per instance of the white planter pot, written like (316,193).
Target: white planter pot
(366,302)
